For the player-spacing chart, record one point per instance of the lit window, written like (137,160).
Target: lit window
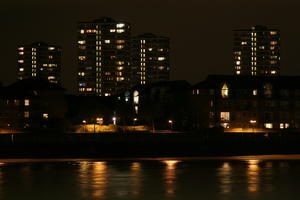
(21,69)
(91,31)
(225,125)
(273,42)
(21,48)
(254,92)
(21,53)
(45,116)
(120,46)
(273,72)
(225,91)
(81,57)
(225,116)
(150,49)
(120,68)
(107,41)
(51,77)
(26,102)
(238,62)
(120,41)
(136,97)
(238,72)
(120,79)
(26,114)
(89,89)
(120,30)
(244,43)
(161,58)
(161,67)
(82,31)
(81,73)
(20,61)
(268,125)
(81,42)
(50,57)
(121,25)
(273,32)
(51,48)
(107,94)
(112,30)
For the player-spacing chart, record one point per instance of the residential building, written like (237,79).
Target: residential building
(247,102)
(39,60)
(256,51)
(160,105)
(150,59)
(32,103)
(103,57)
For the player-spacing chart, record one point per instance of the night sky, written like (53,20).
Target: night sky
(200,30)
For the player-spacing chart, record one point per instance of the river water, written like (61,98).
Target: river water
(234,178)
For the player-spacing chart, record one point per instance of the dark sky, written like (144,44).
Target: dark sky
(200,30)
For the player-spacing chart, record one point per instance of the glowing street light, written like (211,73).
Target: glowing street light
(253,122)
(84,125)
(99,120)
(171,124)
(114,120)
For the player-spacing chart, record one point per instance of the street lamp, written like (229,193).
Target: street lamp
(99,120)
(84,125)
(252,122)
(114,120)
(134,120)
(171,124)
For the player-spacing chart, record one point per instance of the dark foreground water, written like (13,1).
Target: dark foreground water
(237,178)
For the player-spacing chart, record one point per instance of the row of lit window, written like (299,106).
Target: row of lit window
(85,89)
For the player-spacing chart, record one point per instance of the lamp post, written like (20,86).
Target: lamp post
(171,124)
(114,120)
(253,122)
(134,120)
(84,125)
(99,121)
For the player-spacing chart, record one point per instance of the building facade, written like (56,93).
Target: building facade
(103,57)
(150,59)
(247,102)
(31,104)
(256,51)
(39,60)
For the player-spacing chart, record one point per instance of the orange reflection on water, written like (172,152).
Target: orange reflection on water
(253,178)
(136,173)
(93,177)
(225,174)
(170,176)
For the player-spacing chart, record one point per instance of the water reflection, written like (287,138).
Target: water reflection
(93,179)
(170,176)
(225,175)
(136,177)
(253,179)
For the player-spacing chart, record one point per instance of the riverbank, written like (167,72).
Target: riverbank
(144,145)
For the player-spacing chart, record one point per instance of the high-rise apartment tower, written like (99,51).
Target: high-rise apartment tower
(256,51)
(39,60)
(150,59)
(103,57)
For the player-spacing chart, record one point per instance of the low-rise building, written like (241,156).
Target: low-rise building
(252,103)
(32,104)
(160,105)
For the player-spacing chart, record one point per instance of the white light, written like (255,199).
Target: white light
(114,120)
(121,25)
